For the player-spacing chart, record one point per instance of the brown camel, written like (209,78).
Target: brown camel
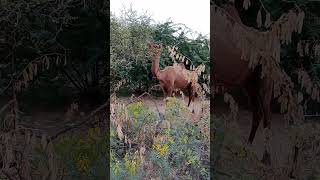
(231,71)
(172,78)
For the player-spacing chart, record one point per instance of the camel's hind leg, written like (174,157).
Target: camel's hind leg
(257,113)
(167,91)
(266,93)
(191,96)
(260,91)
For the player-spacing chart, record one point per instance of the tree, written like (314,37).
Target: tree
(129,58)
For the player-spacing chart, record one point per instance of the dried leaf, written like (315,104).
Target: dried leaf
(25,75)
(267,22)
(44,141)
(35,67)
(317,50)
(246,4)
(28,137)
(18,86)
(33,139)
(314,93)
(306,48)
(182,60)
(120,133)
(142,152)
(47,62)
(30,69)
(65,61)
(259,19)
(57,60)
(300,21)
(300,97)
(177,56)
(299,49)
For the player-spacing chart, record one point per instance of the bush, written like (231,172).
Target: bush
(169,147)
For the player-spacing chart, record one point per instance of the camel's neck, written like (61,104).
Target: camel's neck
(155,63)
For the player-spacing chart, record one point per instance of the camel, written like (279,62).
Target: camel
(172,78)
(231,71)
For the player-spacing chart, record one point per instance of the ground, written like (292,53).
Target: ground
(52,121)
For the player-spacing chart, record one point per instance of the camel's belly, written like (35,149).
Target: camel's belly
(228,67)
(180,84)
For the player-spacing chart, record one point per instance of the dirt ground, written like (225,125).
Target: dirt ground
(51,122)
(279,135)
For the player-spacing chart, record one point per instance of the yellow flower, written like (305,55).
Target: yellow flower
(171,140)
(132,165)
(162,149)
(83,165)
(243,152)
(116,168)
(135,114)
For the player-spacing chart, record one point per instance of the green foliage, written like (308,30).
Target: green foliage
(129,35)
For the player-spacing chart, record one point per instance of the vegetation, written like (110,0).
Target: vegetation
(145,145)
(148,143)
(130,62)
(52,55)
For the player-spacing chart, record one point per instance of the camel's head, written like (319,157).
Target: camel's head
(154,49)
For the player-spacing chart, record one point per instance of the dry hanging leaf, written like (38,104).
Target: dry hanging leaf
(57,61)
(306,49)
(181,57)
(65,61)
(25,169)
(300,97)
(33,139)
(299,49)
(267,22)
(25,76)
(30,69)
(47,62)
(301,16)
(317,50)
(182,60)
(18,86)
(259,19)
(35,69)
(28,137)
(314,93)
(177,56)
(246,4)
(44,141)
(9,157)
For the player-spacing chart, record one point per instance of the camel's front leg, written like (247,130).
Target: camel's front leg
(165,93)
(266,159)
(267,95)
(170,92)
